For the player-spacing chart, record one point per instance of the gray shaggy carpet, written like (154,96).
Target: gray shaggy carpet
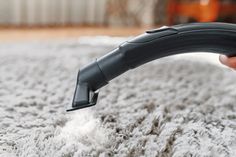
(173,107)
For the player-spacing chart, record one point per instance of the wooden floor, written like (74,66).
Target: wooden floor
(19,34)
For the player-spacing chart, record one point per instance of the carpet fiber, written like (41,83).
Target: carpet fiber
(171,107)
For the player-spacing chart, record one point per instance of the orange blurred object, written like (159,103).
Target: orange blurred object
(201,10)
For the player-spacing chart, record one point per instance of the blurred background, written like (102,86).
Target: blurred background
(46,19)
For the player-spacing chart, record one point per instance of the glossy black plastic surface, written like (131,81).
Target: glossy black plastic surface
(198,37)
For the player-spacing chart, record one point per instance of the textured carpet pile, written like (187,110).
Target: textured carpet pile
(171,107)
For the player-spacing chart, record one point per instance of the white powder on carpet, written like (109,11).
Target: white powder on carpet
(82,125)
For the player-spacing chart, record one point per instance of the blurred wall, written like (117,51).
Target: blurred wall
(132,12)
(110,12)
(52,12)
(77,12)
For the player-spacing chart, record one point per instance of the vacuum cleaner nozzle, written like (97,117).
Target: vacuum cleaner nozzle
(154,44)
(83,97)
(89,80)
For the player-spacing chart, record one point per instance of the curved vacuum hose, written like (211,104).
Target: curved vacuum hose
(154,44)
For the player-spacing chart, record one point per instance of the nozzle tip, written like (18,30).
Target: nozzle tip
(79,105)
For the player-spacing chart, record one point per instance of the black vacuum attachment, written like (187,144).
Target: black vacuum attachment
(154,44)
